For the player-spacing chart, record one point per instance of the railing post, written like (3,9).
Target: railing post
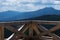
(1,32)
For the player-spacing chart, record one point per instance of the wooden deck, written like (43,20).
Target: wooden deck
(34,26)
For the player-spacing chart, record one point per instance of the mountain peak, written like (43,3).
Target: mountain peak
(48,8)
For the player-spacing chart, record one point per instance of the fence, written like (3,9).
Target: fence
(33,27)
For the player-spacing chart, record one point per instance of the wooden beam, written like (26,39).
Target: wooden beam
(30,30)
(36,29)
(27,21)
(54,28)
(46,31)
(55,37)
(24,28)
(19,34)
(1,32)
(10,28)
(42,28)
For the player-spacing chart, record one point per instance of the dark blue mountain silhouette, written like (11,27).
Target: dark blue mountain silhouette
(14,15)
(49,11)
(47,17)
(50,14)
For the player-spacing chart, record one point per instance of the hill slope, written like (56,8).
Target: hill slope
(13,15)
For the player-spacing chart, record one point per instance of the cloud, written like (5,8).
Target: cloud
(57,7)
(56,4)
(27,5)
(20,6)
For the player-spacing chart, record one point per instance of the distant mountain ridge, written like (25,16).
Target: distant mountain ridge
(14,15)
(47,17)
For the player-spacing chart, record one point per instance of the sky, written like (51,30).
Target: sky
(28,5)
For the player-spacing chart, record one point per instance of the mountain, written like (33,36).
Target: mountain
(47,17)
(14,15)
(47,14)
(48,11)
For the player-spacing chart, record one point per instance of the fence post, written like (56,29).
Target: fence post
(1,32)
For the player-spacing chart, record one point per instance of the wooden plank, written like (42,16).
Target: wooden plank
(55,37)
(10,28)
(42,28)
(51,23)
(30,30)
(14,23)
(25,21)
(54,28)
(36,29)
(18,34)
(1,32)
(46,31)
(24,28)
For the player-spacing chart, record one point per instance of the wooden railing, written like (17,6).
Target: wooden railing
(33,27)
